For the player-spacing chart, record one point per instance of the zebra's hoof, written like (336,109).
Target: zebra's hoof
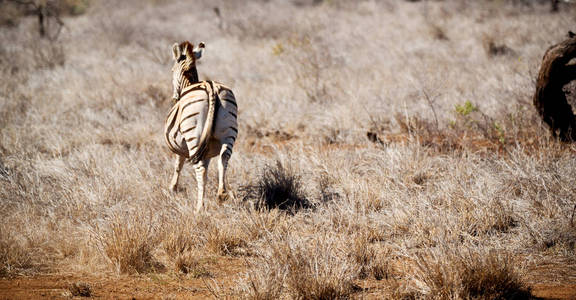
(222,197)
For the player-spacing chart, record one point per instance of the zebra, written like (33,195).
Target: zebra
(202,123)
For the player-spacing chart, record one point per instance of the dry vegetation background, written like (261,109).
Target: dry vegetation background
(401,134)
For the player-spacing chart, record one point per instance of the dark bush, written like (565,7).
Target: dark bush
(277,187)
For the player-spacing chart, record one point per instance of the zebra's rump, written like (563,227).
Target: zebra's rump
(185,121)
(173,138)
(191,121)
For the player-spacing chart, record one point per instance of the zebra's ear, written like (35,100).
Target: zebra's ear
(199,50)
(186,49)
(176,51)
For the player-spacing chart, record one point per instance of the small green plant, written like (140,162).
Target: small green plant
(500,133)
(465,109)
(75,7)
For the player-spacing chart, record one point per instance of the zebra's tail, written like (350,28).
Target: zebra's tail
(208,128)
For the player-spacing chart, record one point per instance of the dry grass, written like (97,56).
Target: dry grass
(129,244)
(307,270)
(466,274)
(414,150)
(14,255)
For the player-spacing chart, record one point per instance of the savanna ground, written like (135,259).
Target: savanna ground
(387,149)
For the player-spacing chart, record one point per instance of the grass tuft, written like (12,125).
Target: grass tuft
(315,269)
(467,274)
(14,257)
(128,244)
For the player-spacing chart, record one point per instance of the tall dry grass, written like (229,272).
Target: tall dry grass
(407,128)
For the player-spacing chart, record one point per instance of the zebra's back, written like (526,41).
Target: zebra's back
(200,104)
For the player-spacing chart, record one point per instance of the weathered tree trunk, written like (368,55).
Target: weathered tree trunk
(549,98)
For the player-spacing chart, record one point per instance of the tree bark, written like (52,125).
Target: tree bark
(549,99)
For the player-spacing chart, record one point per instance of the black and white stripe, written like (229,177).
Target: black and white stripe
(203,122)
(206,112)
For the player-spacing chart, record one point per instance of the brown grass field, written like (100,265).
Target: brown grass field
(387,149)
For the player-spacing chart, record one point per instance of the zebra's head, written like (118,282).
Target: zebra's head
(184,69)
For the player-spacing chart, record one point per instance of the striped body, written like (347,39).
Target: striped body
(202,122)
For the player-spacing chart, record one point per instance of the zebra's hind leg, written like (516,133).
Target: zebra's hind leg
(225,154)
(200,169)
(179,163)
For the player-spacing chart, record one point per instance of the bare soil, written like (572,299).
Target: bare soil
(551,281)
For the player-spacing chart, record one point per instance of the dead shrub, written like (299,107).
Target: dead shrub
(278,187)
